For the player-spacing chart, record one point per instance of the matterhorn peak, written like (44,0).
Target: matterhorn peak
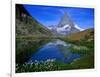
(66,26)
(65,19)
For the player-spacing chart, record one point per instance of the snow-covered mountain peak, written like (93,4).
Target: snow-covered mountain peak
(65,26)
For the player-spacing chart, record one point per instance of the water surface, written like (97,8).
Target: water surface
(55,49)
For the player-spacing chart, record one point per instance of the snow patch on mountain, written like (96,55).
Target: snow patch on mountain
(64,28)
(76,26)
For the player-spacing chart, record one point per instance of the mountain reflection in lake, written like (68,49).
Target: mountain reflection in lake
(42,50)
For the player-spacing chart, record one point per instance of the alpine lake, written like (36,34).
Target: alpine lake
(51,55)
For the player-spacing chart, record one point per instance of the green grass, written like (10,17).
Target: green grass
(84,62)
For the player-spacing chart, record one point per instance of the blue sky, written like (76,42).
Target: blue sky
(51,15)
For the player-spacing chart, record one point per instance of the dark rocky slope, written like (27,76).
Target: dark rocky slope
(27,25)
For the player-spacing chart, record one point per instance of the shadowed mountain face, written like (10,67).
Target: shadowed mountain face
(26,25)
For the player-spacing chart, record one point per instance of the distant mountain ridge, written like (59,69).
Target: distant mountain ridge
(27,25)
